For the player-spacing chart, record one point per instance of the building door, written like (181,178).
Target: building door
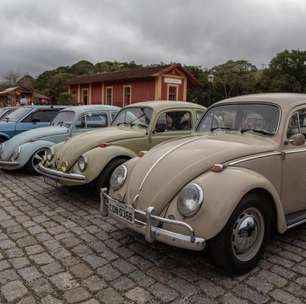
(109,95)
(84,96)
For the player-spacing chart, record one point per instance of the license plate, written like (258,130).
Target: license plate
(122,211)
(50,181)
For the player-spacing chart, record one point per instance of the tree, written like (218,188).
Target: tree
(11,78)
(233,78)
(287,72)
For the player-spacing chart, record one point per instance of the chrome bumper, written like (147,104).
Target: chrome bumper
(9,165)
(61,176)
(151,231)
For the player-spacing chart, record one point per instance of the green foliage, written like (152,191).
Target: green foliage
(65,99)
(285,73)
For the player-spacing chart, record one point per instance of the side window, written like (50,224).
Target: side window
(96,120)
(80,124)
(297,123)
(173,121)
(41,116)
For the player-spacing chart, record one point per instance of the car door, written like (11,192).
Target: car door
(293,193)
(171,124)
(36,119)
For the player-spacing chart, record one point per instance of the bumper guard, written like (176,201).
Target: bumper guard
(151,231)
(6,164)
(61,176)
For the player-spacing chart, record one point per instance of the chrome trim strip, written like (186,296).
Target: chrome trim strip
(256,156)
(162,157)
(295,151)
(296,224)
(60,175)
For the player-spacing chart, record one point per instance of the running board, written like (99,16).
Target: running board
(296,218)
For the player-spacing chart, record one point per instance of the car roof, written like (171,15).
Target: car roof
(43,107)
(165,104)
(91,108)
(284,100)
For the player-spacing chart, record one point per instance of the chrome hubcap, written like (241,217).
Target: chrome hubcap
(248,234)
(38,157)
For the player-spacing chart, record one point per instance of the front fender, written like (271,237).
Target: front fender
(99,157)
(5,135)
(29,148)
(222,194)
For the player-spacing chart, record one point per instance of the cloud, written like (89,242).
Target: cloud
(40,35)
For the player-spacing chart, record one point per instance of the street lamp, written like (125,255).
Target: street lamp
(210,79)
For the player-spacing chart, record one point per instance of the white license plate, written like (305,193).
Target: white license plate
(122,211)
(50,181)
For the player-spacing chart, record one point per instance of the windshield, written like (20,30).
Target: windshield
(259,118)
(18,113)
(63,118)
(134,116)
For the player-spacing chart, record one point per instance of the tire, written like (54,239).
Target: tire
(104,178)
(225,249)
(34,161)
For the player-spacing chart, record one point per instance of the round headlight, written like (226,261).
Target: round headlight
(82,163)
(118,177)
(190,200)
(16,154)
(49,154)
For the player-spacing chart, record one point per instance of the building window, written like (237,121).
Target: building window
(84,99)
(109,95)
(172,92)
(127,90)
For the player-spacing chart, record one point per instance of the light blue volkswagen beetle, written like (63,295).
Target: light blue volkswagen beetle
(28,148)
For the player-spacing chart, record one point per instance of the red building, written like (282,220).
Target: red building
(125,87)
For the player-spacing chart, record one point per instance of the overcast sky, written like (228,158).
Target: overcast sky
(40,35)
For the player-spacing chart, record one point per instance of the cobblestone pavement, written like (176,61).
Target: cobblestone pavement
(55,248)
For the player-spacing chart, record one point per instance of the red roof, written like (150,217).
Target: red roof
(133,74)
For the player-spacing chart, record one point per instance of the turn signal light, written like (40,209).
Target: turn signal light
(103,146)
(217,168)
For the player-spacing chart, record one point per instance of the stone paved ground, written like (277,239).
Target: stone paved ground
(55,248)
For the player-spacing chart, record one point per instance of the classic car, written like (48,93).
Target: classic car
(242,177)
(92,157)
(6,111)
(28,148)
(26,118)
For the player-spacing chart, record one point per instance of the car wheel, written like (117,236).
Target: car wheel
(240,245)
(35,160)
(104,177)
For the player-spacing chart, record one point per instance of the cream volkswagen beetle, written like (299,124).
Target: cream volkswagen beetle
(227,188)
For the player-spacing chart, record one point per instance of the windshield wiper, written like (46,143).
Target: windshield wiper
(221,128)
(260,131)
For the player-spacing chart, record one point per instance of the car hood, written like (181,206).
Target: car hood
(163,171)
(72,149)
(8,147)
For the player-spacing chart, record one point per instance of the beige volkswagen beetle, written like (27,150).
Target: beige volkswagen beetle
(227,188)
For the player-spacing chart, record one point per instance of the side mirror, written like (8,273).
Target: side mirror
(297,139)
(35,120)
